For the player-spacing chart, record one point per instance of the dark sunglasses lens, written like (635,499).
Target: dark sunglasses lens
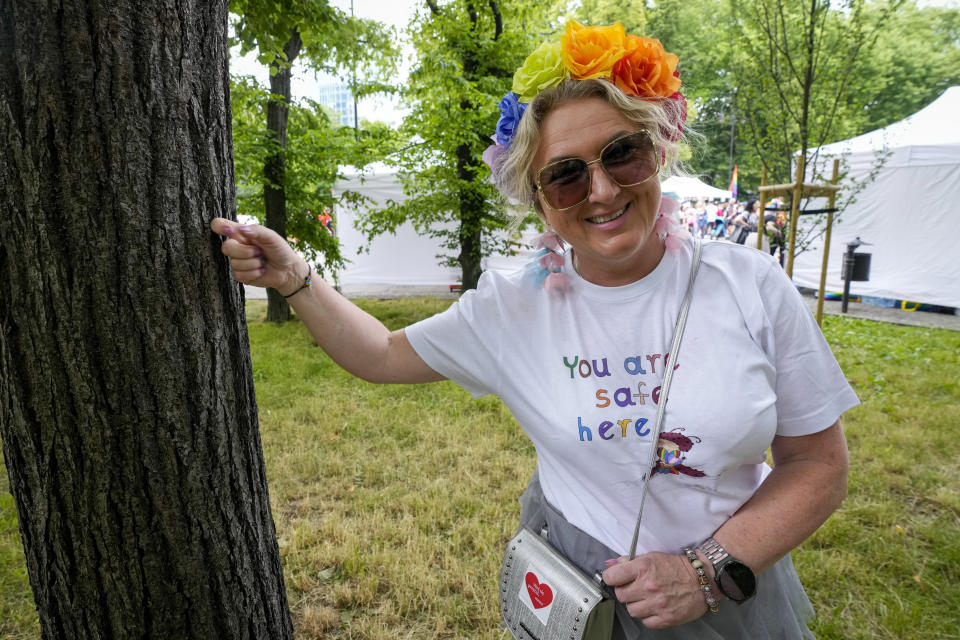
(565,183)
(630,159)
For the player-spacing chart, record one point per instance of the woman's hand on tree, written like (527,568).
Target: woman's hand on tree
(660,589)
(260,257)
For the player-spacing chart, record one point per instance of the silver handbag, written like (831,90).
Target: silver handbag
(543,596)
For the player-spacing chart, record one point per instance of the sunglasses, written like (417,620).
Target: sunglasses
(629,160)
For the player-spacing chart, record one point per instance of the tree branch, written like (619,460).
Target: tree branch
(472,12)
(497,17)
(433,7)
(291,49)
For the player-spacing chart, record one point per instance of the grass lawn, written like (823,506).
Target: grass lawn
(392,503)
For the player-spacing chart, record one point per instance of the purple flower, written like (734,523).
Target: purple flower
(511,110)
(494,157)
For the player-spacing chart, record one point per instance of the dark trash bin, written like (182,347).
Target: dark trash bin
(860,267)
(856,266)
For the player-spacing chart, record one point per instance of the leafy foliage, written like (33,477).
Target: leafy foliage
(282,30)
(700,33)
(467,53)
(799,63)
(632,14)
(317,146)
(333,41)
(916,58)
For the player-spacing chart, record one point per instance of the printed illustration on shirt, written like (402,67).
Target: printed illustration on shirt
(671,448)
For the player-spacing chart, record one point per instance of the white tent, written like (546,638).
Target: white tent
(404,258)
(907,212)
(693,189)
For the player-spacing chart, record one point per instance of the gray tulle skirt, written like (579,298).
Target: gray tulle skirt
(780,609)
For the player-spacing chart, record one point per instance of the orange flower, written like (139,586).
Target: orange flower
(590,52)
(646,69)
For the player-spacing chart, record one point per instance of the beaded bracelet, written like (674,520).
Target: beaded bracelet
(704,581)
(306,283)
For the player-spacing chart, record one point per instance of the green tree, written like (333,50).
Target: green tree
(632,14)
(917,57)
(325,39)
(701,33)
(795,71)
(317,146)
(467,53)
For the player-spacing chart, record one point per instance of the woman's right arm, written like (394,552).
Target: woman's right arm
(354,339)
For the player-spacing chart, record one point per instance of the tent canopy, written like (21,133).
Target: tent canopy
(693,189)
(906,212)
(928,136)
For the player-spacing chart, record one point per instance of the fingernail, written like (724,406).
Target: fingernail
(228,231)
(263,270)
(243,227)
(257,252)
(611,562)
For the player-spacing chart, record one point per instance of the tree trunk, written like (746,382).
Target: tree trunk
(127,408)
(472,204)
(471,216)
(274,194)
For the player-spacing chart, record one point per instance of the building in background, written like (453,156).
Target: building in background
(337,96)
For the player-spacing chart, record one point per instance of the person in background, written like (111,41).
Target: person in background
(752,216)
(688,217)
(740,226)
(713,212)
(776,228)
(575,346)
(720,223)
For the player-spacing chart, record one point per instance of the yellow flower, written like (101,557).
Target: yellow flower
(646,69)
(541,70)
(590,52)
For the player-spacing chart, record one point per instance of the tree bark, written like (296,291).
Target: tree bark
(472,209)
(274,168)
(127,407)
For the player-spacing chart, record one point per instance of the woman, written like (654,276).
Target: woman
(575,346)
(752,216)
(741,224)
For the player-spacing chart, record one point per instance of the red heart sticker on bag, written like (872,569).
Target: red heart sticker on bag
(541,595)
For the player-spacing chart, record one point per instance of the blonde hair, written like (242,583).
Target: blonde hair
(659,117)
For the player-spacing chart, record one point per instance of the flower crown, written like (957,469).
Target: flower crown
(638,66)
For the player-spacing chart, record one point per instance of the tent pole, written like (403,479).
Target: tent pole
(831,203)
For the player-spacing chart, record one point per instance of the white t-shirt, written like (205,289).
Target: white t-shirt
(581,373)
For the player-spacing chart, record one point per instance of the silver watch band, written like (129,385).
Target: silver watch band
(712,549)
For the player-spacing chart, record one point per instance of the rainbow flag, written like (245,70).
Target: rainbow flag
(733,183)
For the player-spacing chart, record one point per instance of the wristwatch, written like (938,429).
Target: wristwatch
(735,579)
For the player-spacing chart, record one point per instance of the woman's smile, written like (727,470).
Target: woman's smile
(613,216)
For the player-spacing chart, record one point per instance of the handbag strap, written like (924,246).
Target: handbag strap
(667,379)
